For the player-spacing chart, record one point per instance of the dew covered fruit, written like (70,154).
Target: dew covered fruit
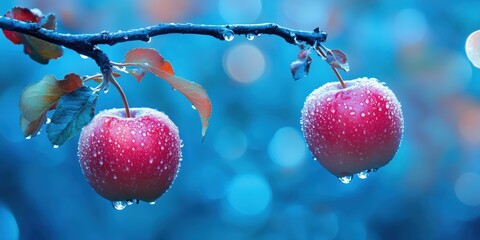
(352,130)
(126,159)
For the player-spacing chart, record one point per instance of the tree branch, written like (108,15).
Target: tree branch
(85,44)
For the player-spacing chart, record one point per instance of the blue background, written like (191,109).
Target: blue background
(252,177)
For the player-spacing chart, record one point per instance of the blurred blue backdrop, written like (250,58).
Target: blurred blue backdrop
(252,177)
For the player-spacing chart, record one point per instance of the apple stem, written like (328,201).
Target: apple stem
(122,94)
(340,79)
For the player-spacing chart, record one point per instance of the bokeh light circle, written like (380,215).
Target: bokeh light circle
(472,48)
(467,190)
(306,14)
(249,194)
(245,11)
(244,63)
(409,27)
(287,147)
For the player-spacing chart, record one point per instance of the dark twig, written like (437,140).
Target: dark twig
(85,44)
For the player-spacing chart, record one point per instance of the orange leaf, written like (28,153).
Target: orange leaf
(31,128)
(147,55)
(151,61)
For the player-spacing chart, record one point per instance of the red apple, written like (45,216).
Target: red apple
(352,130)
(130,159)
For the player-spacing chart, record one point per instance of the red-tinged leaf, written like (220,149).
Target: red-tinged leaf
(151,61)
(301,66)
(21,14)
(39,50)
(41,97)
(147,55)
(337,59)
(31,128)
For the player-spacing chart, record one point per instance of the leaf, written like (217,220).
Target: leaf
(31,128)
(22,14)
(151,61)
(40,97)
(337,59)
(146,55)
(301,66)
(74,111)
(39,50)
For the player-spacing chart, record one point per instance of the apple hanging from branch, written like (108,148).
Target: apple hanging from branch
(128,155)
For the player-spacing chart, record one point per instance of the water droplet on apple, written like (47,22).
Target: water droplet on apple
(352,113)
(150,161)
(228,35)
(55,146)
(250,36)
(119,205)
(194,108)
(114,176)
(332,110)
(363,174)
(28,137)
(345,179)
(362,114)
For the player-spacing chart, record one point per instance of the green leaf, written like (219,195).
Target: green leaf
(150,60)
(37,99)
(74,111)
(40,97)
